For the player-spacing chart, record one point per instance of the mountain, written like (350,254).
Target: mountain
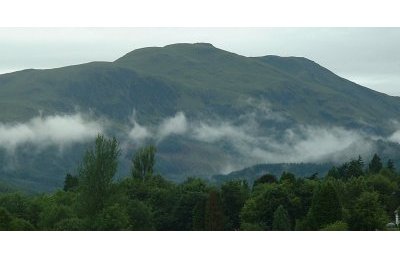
(230,112)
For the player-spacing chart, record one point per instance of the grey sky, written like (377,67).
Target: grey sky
(368,56)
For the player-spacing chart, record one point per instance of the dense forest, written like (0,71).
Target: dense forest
(353,196)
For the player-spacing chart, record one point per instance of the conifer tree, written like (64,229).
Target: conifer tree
(375,165)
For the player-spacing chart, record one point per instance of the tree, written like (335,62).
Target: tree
(140,216)
(16,204)
(96,174)
(199,215)
(18,224)
(325,207)
(143,163)
(281,221)
(355,168)
(214,214)
(375,165)
(233,196)
(287,177)
(112,217)
(259,209)
(368,214)
(265,179)
(193,195)
(5,219)
(70,182)
(334,172)
(53,214)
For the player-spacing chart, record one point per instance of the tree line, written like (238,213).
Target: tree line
(353,196)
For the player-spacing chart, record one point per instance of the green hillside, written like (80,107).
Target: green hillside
(204,82)
(292,85)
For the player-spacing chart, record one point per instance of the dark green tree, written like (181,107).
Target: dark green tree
(17,204)
(140,216)
(143,163)
(199,215)
(375,165)
(259,209)
(70,182)
(287,177)
(325,207)
(265,179)
(96,175)
(355,168)
(187,214)
(233,196)
(281,221)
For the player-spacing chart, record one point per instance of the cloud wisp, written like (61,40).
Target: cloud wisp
(175,125)
(56,130)
(244,142)
(250,143)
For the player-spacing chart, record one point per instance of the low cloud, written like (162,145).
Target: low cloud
(395,137)
(139,133)
(246,142)
(174,125)
(299,144)
(58,130)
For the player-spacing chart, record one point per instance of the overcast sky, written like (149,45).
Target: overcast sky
(368,56)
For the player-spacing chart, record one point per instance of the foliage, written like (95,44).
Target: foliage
(5,219)
(233,197)
(260,207)
(214,219)
(96,174)
(114,217)
(281,220)
(348,198)
(266,179)
(325,208)
(143,163)
(336,226)
(375,165)
(71,182)
(368,214)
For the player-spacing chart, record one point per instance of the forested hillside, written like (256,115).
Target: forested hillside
(353,196)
